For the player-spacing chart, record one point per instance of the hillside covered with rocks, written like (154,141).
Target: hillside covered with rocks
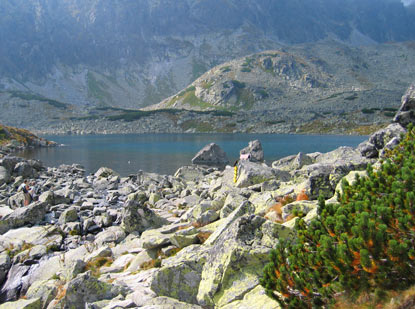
(198,239)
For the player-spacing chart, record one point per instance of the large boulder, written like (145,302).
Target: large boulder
(322,177)
(16,200)
(46,290)
(378,140)
(251,173)
(24,169)
(406,114)
(33,303)
(105,172)
(179,277)
(191,173)
(137,217)
(32,214)
(254,150)
(257,298)
(4,175)
(235,261)
(86,289)
(211,155)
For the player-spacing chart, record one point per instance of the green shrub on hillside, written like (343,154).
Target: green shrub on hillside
(363,243)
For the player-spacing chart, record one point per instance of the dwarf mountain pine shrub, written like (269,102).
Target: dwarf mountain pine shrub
(366,242)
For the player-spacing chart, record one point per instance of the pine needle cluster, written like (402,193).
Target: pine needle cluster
(365,242)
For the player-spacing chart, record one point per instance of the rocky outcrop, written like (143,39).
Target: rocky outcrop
(211,155)
(251,173)
(32,214)
(137,217)
(406,113)
(253,152)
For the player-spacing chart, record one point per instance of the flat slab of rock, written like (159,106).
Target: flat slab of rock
(211,155)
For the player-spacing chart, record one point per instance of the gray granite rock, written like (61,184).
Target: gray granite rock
(211,155)
(254,150)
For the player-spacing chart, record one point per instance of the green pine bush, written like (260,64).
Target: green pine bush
(366,242)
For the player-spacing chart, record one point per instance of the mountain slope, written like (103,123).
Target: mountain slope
(132,54)
(311,77)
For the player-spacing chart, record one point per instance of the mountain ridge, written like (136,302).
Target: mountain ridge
(134,54)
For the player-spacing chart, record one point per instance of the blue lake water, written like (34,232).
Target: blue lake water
(165,153)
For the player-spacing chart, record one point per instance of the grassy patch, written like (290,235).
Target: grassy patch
(226,69)
(390,109)
(207,85)
(29,96)
(95,264)
(151,264)
(272,122)
(368,111)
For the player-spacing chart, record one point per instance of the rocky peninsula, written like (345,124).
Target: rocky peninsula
(196,239)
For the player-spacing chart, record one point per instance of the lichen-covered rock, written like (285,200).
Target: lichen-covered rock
(381,137)
(254,149)
(168,302)
(87,289)
(32,214)
(232,201)
(17,200)
(68,215)
(256,298)
(180,275)
(368,150)
(113,234)
(262,201)
(211,155)
(34,303)
(302,206)
(105,172)
(351,179)
(190,173)
(250,173)
(24,169)
(406,113)
(154,238)
(181,241)
(47,197)
(137,217)
(245,208)
(36,235)
(46,290)
(144,256)
(234,263)
(164,302)
(322,177)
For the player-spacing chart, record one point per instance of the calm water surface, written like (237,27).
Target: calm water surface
(165,153)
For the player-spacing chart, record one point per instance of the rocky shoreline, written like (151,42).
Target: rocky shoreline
(196,239)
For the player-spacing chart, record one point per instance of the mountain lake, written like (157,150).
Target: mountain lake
(165,153)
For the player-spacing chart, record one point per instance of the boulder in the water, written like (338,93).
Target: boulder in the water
(253,152)
(211,155)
